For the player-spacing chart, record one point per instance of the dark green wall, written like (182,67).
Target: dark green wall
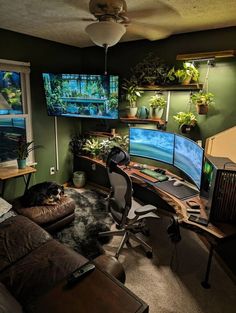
(44,56)
(222,78)
(50,56)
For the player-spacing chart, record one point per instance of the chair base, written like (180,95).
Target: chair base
(126,235)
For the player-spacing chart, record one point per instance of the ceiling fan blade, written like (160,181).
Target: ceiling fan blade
(151,32)
(78,5)
(160,10)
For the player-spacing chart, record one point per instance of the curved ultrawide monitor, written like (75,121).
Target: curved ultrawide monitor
(188,157)
(152,144)
(81,95)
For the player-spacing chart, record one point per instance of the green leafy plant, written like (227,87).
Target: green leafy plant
(202,98)
(186,74)
(157,101)
(76,144)
(132,92)
(185,118)
(92,146)
(24,148)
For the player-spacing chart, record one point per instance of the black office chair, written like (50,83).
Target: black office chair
(120,202)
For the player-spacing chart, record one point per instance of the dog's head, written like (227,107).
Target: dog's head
(55,191)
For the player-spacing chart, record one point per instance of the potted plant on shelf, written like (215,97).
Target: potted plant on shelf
(185,75)
(23,149)
(157,104)
(93,147)
(186,121)
(202,100)
(132,94)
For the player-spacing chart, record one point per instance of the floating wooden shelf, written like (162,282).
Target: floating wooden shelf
(171,87)
(100,134)
(133,120)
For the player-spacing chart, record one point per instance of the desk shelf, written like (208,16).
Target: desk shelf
(132,120)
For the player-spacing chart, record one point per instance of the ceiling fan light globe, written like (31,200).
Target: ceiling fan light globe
(105,33)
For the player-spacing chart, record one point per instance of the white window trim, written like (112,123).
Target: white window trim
(24,69)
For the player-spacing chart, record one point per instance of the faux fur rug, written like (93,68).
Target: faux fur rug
(91,217)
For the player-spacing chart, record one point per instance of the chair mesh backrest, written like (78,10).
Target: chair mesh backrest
(121,187)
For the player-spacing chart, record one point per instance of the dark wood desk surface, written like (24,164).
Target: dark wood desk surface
(98,292)
(216,232)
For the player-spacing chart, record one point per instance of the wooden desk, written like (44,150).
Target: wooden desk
(216,233)
(13,172)
(98,292)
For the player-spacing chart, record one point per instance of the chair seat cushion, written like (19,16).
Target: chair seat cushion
(45,214)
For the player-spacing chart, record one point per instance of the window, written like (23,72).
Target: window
(15,112)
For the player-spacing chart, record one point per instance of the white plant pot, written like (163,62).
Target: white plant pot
(79,179)
(132,112)
(158,113)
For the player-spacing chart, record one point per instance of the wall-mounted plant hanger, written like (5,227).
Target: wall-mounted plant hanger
(206,55)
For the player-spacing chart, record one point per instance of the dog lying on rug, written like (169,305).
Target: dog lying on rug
(46,193)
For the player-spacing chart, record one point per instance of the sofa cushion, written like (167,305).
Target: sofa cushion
(18,237)
(45,214)
(8,303)
(41,270)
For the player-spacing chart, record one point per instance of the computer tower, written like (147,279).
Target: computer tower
(218,187)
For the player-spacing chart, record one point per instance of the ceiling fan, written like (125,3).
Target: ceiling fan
(111,19)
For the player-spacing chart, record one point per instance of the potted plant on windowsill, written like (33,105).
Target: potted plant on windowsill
(202,100)
(132,94)
(23,149)
(157,104)
(186,121)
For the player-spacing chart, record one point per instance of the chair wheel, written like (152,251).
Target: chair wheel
(149,254)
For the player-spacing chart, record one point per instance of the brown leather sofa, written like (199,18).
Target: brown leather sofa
(32,262)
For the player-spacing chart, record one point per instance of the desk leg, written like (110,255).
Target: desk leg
(27,181)
(2,188)
(205,283)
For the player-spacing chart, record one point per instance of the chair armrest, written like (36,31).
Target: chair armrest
(145,209)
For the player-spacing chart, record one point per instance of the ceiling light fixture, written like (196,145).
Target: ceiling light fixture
(105,33)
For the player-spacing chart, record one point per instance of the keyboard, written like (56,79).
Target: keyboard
(160,177)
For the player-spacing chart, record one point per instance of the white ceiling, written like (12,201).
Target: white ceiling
(61,20)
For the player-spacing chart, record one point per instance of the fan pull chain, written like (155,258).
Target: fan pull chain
(105,63)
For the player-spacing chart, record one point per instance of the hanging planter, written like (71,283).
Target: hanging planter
(202,100)
(186,120)
(185,129)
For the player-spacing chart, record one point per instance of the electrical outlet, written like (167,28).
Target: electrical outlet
(52,170)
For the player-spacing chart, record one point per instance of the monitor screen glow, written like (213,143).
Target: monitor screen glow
(188,157)
(152,144)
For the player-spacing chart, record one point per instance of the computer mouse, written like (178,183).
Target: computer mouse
(177,183)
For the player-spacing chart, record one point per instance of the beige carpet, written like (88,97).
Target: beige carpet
(176,289)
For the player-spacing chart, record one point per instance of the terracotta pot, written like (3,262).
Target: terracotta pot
(187,80)
(202,109)
(157,113)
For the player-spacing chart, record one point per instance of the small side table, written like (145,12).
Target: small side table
(9,172)
(98,292)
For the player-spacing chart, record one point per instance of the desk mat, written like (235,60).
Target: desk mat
(180,192)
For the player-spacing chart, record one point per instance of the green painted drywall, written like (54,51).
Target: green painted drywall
(44,56)
(222,77)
